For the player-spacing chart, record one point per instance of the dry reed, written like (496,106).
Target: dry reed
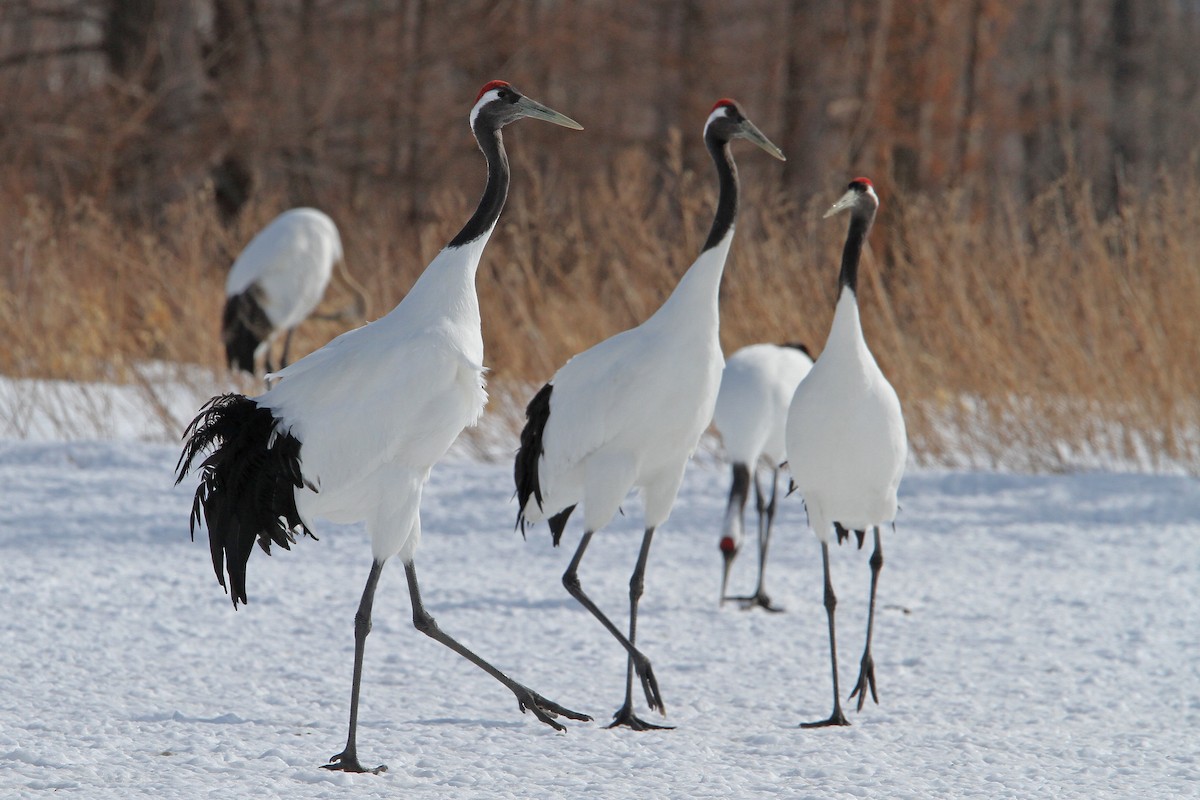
(1020,336)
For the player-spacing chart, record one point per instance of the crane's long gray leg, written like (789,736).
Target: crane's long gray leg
(625,715)
(837,717)
(545,710)
(347,760)
(866,673)
(766,517)
(641,664)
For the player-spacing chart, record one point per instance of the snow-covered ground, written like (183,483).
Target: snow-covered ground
(1037,637)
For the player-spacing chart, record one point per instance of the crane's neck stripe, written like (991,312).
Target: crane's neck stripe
(727,201)
(496,191)
(852,252)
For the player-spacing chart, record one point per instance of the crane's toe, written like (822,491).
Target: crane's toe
(625,718)
(759,600)
(645,673)
(546,711)
(836,719)
(866,681)
(347,761)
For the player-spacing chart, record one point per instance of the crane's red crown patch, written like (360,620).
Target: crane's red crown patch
(487,87)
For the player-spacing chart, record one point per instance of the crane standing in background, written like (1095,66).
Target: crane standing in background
(277,281)
(751,414)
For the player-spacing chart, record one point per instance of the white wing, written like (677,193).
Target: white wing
(291,261)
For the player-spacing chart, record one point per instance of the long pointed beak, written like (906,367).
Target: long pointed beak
(847,200)
(750,131)
(534,109)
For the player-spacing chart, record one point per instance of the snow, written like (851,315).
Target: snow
(1037,636)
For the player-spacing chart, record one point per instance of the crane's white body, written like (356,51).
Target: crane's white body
(751,416)
(629,412)
(351,431)
(752,405)
(289,262)
(379,405)
(846,442)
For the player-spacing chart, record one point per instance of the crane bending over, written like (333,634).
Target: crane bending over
(277,281)
(751,414)
(351,431)
(628,412)
(846,442)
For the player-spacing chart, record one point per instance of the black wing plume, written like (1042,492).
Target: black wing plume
(248,483)
(525,467)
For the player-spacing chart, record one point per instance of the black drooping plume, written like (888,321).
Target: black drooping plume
(248,484)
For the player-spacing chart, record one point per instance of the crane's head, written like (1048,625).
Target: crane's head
(727,122)
(499,103)
(859,196)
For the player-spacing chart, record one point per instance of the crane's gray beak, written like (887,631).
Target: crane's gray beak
(534,109)
(848,199)
(749,130)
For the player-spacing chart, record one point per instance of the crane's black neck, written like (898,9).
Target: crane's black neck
(860,224)
(496,191)
(727,202)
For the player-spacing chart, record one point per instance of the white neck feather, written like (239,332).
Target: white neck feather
(694,301)
(445,295)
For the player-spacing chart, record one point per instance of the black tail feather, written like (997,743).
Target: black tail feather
(558,523)
(248,484)
(244,326)
(525,468)
(843,534)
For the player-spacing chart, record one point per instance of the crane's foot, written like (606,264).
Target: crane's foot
(836,718)
(625,718)
(645,673)
(866,681)
(545,710)
(757,600)
(347,761)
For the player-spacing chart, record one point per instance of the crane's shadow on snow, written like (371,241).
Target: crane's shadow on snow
(177,716)
(525,604)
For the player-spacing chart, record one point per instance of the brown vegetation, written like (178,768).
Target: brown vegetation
(1042,328)
(1032,286)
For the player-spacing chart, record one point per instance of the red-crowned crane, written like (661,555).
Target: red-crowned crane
(846,443)
(277,281)
(628,412)
(351,431)
(751,413)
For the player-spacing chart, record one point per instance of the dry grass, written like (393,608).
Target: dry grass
(1027,334)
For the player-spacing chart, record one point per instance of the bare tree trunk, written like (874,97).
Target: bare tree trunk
(156,45)
(817,97)
(238,44)
(968,128)
(414,42)
(1130,112)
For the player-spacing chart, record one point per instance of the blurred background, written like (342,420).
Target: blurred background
(1033,288)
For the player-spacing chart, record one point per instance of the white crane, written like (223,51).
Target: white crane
(751,414)
(351,431)
(846,443)
(277,281)
(628,412)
